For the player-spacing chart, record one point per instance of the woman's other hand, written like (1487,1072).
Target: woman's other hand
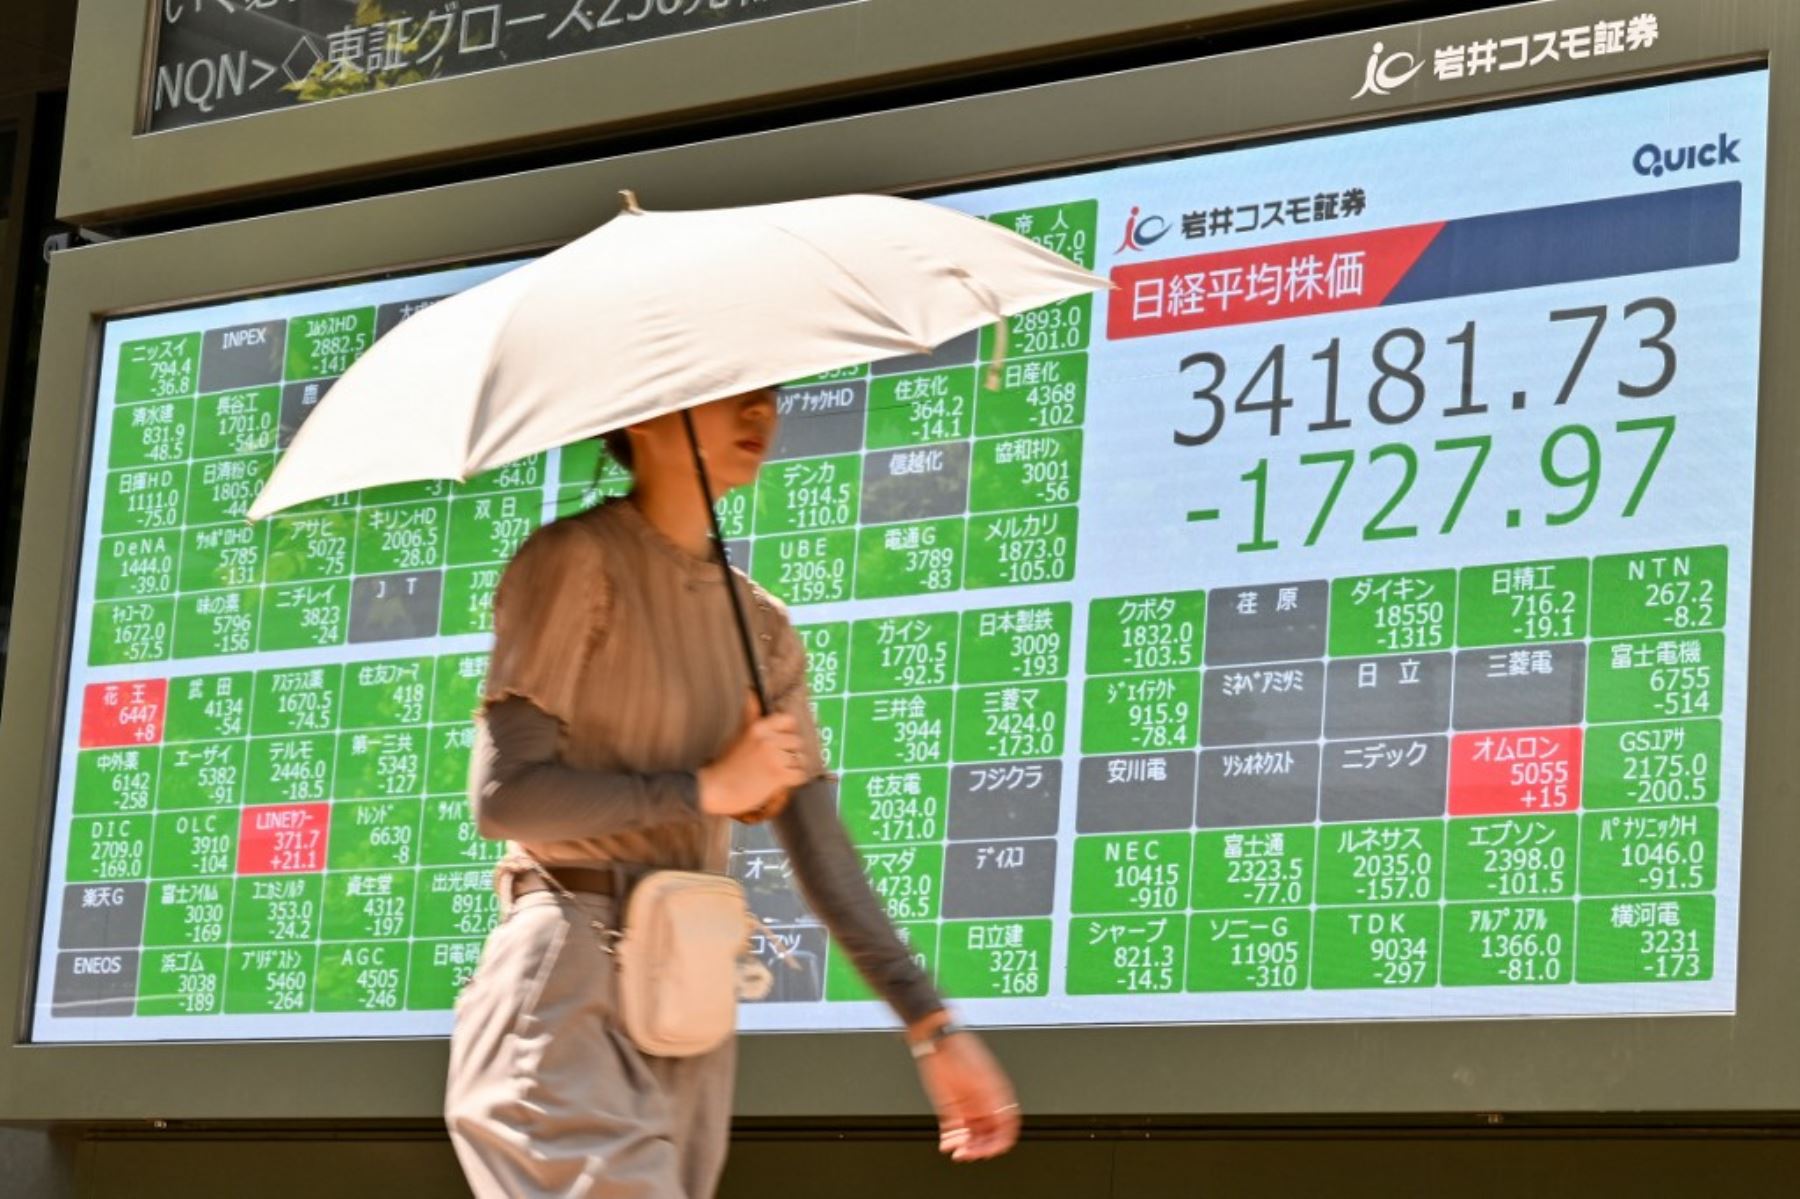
(758,769)
(978,1116)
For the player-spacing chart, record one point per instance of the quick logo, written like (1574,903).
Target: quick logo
(1655,161)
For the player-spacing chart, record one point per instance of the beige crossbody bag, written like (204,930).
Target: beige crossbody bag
(684,960)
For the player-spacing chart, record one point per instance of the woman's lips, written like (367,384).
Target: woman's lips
(752,445)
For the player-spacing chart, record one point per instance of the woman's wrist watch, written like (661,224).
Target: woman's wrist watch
(928,1044)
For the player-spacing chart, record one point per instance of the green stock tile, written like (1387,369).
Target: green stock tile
(146,499)
(844,984)
(447,752)
(1135,713)
(305,615)
(189,911)
(399,537)
(469,599)
(1127,955)
(362,976)
(908,878)
(1513,857)
(891,807)
(223,556)
(378,834)
(381,763)
(1146,632)
(1651,765)
(301,699)
(1386,861)
(490,528)
(921,408)
(456,902)
(1644,940)
(202,774)
(1254,868)
(803,495)
(896,653)
(1395,946)
(152,434)
(314,545)
(107,849)
(368,905)
(1668,591)
(220,490)
(392,692)
(291,769)
(157,368)
(211,623)
(277,908)
(439,970)
(450,836)
(1010,722)
(806,568)
(1520,602)
(127,632)
(1249,951)
(1035,395)
(1033,470)
(233,423)
(827,657)
(1132,873)
(1393,613)
(1649,853)
(457,690)
(115,781)
(914,558)
(1067,229)
(1650,678)
(994,959)
(203,707)
(1013,549)
(324,345)
(902,729)
(1004,645)
(1053,329)
(193,844)
(270,979)
(181,982)
(1508,943)
(525,475)
(136,565)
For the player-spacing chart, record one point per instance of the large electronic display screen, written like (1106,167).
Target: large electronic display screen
(1344,618)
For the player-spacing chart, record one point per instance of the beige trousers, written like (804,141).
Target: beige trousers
(547,1096)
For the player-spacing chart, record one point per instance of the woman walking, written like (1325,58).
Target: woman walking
(616,731)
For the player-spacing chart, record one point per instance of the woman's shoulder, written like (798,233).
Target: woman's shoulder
(579,536)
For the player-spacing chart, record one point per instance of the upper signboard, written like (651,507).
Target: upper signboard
(217,59)
(185,103)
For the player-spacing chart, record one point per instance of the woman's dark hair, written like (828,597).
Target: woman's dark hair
(618,445)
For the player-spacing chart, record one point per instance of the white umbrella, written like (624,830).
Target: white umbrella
(657,312)
(651,313)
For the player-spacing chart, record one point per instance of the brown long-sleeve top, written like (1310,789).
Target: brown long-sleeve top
(617,672)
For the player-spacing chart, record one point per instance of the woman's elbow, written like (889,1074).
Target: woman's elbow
(493,814)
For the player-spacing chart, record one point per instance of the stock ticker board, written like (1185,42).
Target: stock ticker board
(1346,617)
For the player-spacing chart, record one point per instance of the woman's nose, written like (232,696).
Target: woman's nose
(759,406)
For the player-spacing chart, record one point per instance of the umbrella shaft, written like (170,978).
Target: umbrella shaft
(731,588)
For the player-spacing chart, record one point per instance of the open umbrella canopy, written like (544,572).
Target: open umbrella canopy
(655,312)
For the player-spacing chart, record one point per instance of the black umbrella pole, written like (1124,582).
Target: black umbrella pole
(719,551)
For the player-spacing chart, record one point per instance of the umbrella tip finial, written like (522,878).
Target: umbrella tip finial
(630,199)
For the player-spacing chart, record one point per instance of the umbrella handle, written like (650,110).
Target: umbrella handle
(724,557)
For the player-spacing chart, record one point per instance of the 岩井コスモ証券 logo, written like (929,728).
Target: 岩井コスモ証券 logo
(1141,231)
(1384,74)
